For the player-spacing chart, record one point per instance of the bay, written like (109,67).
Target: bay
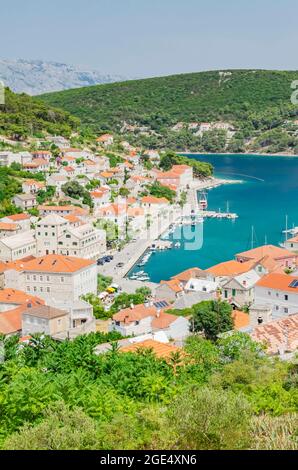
(268,193)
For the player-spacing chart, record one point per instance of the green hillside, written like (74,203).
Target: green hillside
(22,116)
(254,101)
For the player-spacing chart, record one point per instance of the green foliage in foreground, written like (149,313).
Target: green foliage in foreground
(63,396)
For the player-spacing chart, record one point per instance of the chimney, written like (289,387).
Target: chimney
(29,305)
(132,306)
(158,313)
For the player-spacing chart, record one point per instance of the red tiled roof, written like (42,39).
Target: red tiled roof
(57,264)
(278,282)
(173,284)
(17,217)
(188,274)
(272,251)
(278,335)
(161,350)
(240,319)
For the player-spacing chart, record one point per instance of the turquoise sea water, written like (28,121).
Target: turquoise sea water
(268,194)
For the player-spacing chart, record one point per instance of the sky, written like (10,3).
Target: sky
(142,38)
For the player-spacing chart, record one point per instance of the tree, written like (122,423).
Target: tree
(99,311)
(63,428)
(124,192)
(212,318)
(103,282)
(145,291)
(76,191)
(206,419)
(157,190)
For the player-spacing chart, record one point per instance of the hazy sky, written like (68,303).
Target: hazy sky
(152,37)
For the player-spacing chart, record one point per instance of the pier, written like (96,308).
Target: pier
(218,215)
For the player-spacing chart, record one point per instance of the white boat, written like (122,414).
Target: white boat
(203,202)
(144,278)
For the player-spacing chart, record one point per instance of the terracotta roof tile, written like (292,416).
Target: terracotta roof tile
(278,335)
(240,319)
(161,350)
(272,251)
(57,264)
(278,282)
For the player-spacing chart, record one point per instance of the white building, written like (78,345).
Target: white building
(47,233)
(23,220)
(17,246)
(280,291)
(84,241)
(55,235)
(239,290)
(25,201)
(55,277)
(7,158)
(147,318)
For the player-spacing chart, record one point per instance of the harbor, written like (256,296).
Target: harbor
(256,201)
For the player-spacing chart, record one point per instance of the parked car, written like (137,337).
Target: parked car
(120,265)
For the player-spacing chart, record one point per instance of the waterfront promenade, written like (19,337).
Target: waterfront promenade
(133,251)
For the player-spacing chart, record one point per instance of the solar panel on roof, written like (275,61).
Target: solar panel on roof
(294,283)
(161,304)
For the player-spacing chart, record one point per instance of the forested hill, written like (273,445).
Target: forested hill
(22,117)
(255,101)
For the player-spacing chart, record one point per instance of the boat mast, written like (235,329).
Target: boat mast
(286,228)
(252,237)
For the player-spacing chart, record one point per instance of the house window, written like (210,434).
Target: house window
(48,289)
(269,293)
(233,292)
(286,297)
(286,310)
(226,294)
(260,320)
(276,307)
(137,323)
(62,279)
(117,323)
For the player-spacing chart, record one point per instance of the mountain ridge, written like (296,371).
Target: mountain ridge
(37,76)
(257,104)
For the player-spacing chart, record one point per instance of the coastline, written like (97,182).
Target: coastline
(213,182)
(131,257)
(259,154)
